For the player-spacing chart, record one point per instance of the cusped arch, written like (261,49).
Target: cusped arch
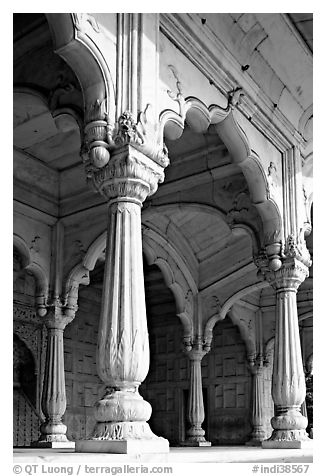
(226,306)
(176,275)
(42,281)
(200,117)
(77,40)
(237,229)
(175,272)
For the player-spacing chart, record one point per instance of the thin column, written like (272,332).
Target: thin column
(288,382)
(196,414)
(257,415)
(53,431)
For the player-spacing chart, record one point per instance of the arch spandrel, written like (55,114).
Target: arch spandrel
(79,41)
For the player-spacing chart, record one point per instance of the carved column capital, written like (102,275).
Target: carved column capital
(275,254)
(256,365)
(57,320)
(195,348)
(292,273)
(104,140)
(129,176)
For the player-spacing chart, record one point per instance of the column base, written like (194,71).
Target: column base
(286,444)
(54,444)
(157,445)
(295,439)
(195,443)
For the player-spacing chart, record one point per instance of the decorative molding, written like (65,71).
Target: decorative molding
(255,106)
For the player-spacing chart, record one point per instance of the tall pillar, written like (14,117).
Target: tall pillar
(288,382)
(53,431)
(123,346)
(196,414)
(257,415)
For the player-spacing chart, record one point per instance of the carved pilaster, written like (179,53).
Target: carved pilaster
(288,382)
(123,346)
(257,415)
(196,414)
(53,431)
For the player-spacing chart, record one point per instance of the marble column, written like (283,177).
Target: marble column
(53,431)
(288,382)
(195,435)
(123,346)
(257,415)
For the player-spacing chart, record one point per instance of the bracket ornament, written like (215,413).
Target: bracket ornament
(102,138)
(83,20)
(235,97)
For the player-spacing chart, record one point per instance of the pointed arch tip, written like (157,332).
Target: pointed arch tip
(226,306)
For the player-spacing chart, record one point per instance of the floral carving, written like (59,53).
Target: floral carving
(296,248)
(82,20)
(242,211)
(102,137)
(272,174)
(178,96)
(235,97)
(35,244)
(127,131)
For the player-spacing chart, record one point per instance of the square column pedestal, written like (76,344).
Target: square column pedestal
(287,444)
(157,445)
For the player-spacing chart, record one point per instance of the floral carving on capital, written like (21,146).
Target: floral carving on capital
(195,347)
(103,138)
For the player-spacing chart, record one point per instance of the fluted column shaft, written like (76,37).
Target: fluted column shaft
(53,431)
(288,382)
(257,415)
(196,414)
(123,346)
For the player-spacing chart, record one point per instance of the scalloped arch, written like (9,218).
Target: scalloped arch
(173,271)
(200,117)
(208,332)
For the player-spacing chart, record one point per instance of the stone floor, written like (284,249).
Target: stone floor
(215,454)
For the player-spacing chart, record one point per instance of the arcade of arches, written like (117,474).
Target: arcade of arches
(162,231)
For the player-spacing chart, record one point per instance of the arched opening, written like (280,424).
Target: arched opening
(167,383)
(83,386)
(226,377)
(25,419)
(27,352)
